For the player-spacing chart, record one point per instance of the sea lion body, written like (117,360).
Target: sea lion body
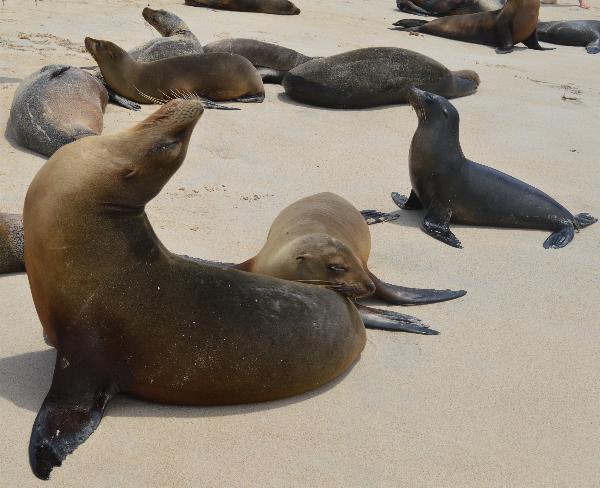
(572,33)
(373,76)
(271,60)
(126,315)
(56,105)
(516,22)
(278,7)
(455,189)
(443,8)
(11,244)
(216,76)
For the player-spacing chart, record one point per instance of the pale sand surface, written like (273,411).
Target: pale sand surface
(507,395)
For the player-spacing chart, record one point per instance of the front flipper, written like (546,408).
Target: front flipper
(532,43)
(410,25)
(504,41)
(376,217)
(410,203)
(561,237)
(400,295)
(70,413)
(436,225)
(374,318)
(119,100)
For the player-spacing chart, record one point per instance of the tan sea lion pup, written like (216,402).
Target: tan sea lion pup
(126,315)
(11,243)
(215,76)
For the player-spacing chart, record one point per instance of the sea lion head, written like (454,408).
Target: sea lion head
(325,261)
(291,9)
(104,51)
(164,22)
(434,112)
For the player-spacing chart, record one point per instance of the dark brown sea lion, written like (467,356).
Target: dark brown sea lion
(214,76)
(516,22)
(584,33)
(11,243)
(278,7)
(126,315)
(454,189)
(271,61)
(443,8)
(56,105)
(373,76)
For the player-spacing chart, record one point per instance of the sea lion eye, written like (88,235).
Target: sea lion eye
(165,145)
(337,268)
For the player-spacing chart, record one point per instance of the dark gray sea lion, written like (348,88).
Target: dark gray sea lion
(373,76)
(214,76)
(443,8)
(56,105)
(126,315)
(279,7)
(584,33)
(454,189)
(11,243)
(516,22)
(271,61)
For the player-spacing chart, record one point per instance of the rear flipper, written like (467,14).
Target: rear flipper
(209,104)
(593,47)
(270,75)
(374,318)
(410,8)
(376,217)
(411,25)
(119,100)
(250,99)
(583,220)
(532,43)
(70,413)
(400,295)
(561,237)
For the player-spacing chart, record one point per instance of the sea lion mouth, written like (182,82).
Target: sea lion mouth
(91,46)
(416,99)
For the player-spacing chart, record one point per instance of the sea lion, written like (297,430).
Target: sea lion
(11,243)
(278,7)
(443,8)
(271,61)
(516,22)
(324,240)
(454,189)
(56,105)
(215,76)
(126,315)
(373,76)
(572,33)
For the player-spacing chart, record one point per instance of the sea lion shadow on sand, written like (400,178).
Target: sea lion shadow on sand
(285,98)
(34,373)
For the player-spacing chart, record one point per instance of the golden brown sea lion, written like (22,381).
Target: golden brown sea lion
(126,315)
(215,76)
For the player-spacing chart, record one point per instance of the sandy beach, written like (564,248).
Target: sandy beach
(506,396)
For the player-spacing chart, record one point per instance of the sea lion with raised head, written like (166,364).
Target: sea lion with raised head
(454,189)
(271,61)
(56,105)
(214,76)
(585,33)
(278,7)
(373,76)
(516,22)
(126,315)
(11,243)
(443,8)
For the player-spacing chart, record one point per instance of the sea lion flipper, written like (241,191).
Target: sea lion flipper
(561,237)
(436,225)
(271,75)
(410,203)
(504,40)
(120,100)
(593,47)
(400,295)
(411,25)
(70,413)
(532,43)
(376,217)
(374,318)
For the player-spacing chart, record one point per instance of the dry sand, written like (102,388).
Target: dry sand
(507,395)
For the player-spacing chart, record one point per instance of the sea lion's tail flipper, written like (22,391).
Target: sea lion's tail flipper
(70,413)
(409,24)
(593,47)
(561,237)
(376,217)
(400,295)
(374,318)
(583,220)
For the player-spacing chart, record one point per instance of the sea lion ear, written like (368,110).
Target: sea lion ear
(302,257)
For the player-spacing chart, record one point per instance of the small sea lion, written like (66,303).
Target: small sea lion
(373,76)
(56,105)
(215,76)
(454,189)
(584,33)
(126,315)
(11,244)
(443,8)
(324,240)
(516,22)
(271,61)
(278,7)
